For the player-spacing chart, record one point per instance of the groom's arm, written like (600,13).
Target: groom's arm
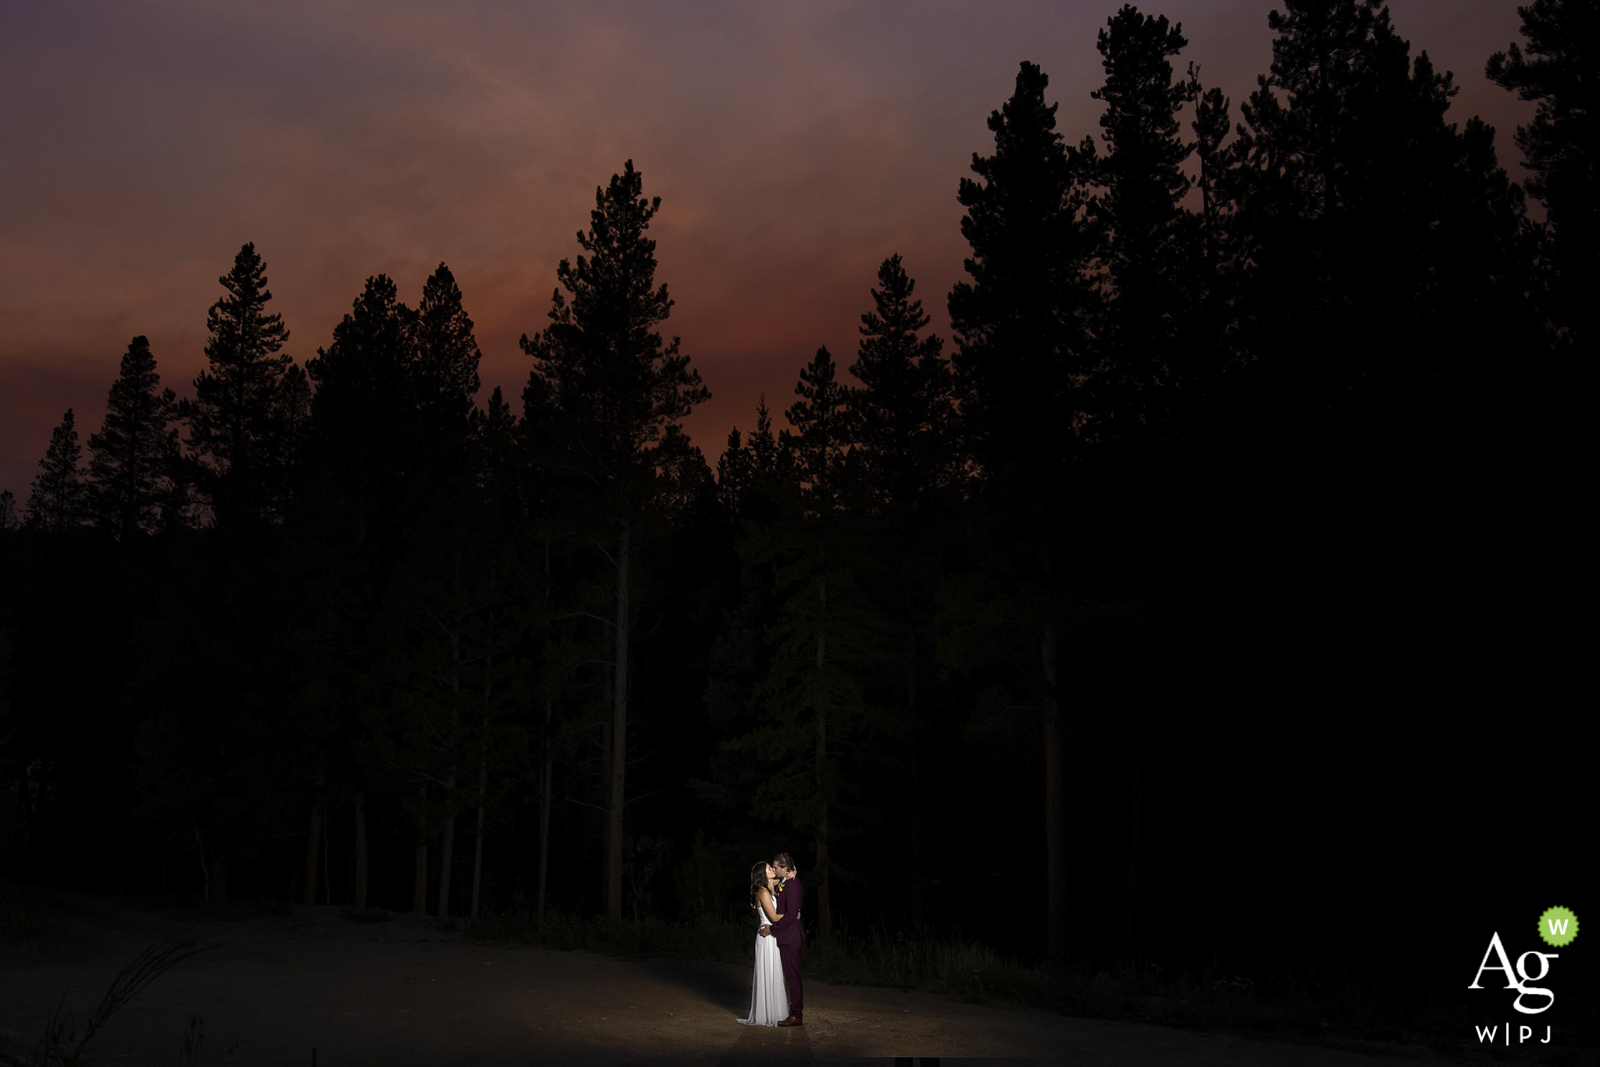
(794,896)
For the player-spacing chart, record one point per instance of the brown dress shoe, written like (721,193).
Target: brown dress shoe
(793,1020)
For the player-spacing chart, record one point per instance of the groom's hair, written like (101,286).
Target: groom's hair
(784,860)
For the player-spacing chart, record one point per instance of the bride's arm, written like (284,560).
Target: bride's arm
(766,906)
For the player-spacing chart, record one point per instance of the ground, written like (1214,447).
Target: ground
(272,990)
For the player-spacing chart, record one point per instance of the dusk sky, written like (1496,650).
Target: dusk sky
(794,146)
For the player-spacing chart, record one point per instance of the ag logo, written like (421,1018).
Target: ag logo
(1518,981)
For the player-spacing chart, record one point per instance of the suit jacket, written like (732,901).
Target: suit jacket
(788,930)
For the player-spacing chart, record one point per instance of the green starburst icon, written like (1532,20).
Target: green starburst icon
(1558,926)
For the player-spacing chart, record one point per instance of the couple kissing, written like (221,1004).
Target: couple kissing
(775,896)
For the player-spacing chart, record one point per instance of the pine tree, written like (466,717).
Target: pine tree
(823,420)
(1150,239)
(811,698)
(447,358)
(1561,146)
(907,452)
(733,474)
(1022,322)
(231,419)
(1023,354)
(135,454)
(293,419)
(606,398)
(60,499)
(771,461)
(496,450)
(1380,240)
(8,511)
(902,430)
(363,412)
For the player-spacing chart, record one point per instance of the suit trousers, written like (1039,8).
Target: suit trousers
(789,955)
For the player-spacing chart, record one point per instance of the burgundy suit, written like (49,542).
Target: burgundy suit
(790,934)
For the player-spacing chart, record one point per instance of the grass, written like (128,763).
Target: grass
(61,1044)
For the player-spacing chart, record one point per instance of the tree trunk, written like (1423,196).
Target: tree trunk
(544,777)
(205,869)
(824,911)
(917,900)
(327,853)
(1055,805)
(361,852)
(1131,905)
(619,735)
(313,847)
(447,845)
(447,841)
(419,886)
(544,811)
(477,846)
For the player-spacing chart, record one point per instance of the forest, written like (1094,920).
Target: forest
(1209,570)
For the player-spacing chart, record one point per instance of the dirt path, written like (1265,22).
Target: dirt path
(401,993)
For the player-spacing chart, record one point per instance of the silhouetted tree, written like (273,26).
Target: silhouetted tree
(1211,127)
(1022,322)
(233,419)
(9,519)
(906,444)
(1151,239)
(60,499)
(811,700)
(1022,356)
(1562,143)
(902,428)
(1376,237)
(293,411)
(609,396)
(447,359)
(363,411)
(135,454)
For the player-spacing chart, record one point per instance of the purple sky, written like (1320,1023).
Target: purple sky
(794,146)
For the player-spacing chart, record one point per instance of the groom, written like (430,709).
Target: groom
(790,933)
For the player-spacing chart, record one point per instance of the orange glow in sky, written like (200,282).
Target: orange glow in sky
(794,147)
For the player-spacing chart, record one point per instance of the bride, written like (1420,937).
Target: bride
(769,1000)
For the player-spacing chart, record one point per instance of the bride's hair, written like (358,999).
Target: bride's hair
(758,881)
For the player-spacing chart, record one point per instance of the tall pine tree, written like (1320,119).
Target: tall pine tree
(811,700)
(1023,353)
(1383,252)
(233,418)
(605,402)
(1561,146)
(907,453)
(902,411)
(447,361)
(1022,322)
(1151,240)
(135,454)
(60,498)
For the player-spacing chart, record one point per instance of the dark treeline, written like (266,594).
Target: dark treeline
(1168,590)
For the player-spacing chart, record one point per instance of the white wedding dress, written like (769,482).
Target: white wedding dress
(769,1000)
